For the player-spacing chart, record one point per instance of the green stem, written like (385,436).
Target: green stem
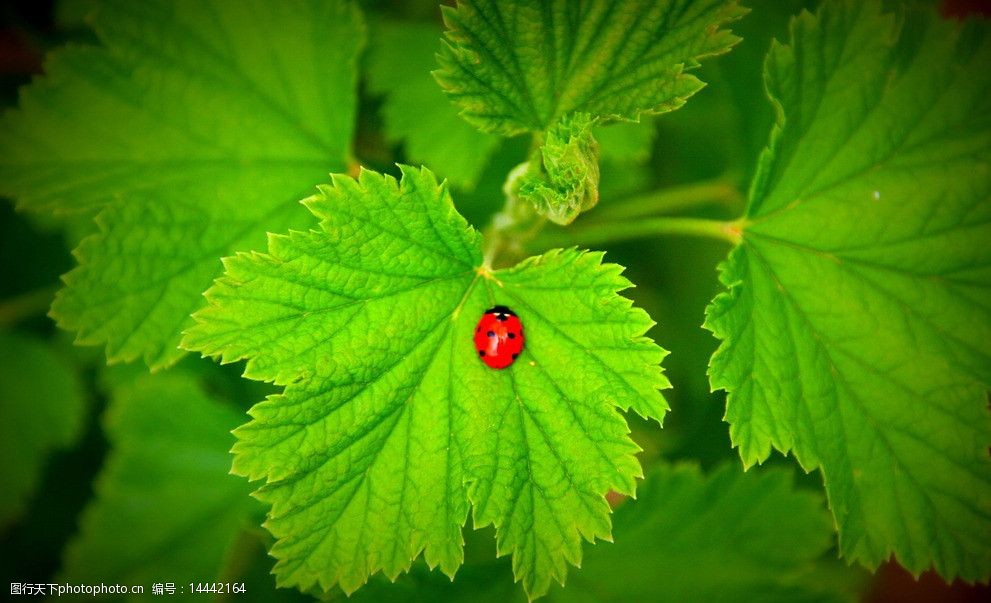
(599,232)
(248,543)
(672,199)
(518,222)
(25,305)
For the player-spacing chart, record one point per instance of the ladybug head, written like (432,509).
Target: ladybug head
(500,310)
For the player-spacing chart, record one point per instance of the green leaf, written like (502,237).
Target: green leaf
(566,178)
(728,536)
(390,424)
(857,326)
(43,408)
(415,111)
(724,537)
(522,65)
(142,275)
(195,124)
(166,509)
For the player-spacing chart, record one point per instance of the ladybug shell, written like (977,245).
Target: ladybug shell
(499,337)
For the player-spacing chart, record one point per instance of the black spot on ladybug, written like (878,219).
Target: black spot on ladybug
(512,335)
(490,334)
(515,356)
(477,329)
(481,352)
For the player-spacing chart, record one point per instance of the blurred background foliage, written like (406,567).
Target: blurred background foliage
(48,502)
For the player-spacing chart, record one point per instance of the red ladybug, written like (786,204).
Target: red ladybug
(499,337)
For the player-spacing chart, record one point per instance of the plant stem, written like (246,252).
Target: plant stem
(237,561)
(518,222)
(15,309)
(672,199)
(598,232)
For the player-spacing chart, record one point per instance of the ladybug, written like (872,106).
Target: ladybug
(499,337)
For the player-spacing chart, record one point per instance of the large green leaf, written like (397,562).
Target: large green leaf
(857,326)
(725,537)
(524,64)
(43,408)
(390,424)
(166,509)
(194,125)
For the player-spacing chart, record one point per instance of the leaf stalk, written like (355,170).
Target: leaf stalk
(26,305)
(673,199)
(612,231)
